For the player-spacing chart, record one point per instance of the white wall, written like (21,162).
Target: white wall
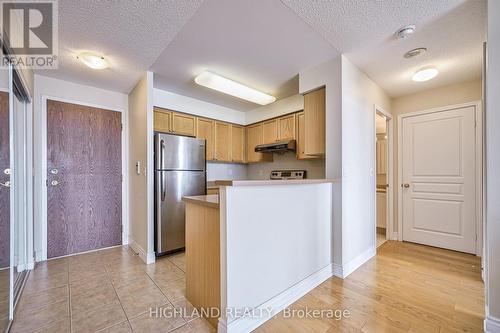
(50,88)
(268,250)
(350,153)
(492,322)
(328,74)
(140,102)
(283,106)
(359,95)
(288,161)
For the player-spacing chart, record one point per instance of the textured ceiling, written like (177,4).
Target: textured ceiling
(452,30)
(262,44)
(130,34)
(265,43)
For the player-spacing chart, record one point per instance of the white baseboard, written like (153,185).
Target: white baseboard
(355,263)
(148,258)
(492,325)
(276,304)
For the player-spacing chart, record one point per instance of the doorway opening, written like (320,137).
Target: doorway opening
(383,177)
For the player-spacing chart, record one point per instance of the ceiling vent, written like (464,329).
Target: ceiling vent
(415,52)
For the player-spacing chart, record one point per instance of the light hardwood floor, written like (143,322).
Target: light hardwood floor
(405,288)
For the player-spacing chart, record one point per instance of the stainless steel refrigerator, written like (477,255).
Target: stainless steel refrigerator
(180,170)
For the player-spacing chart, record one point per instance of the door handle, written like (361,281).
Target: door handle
(6,184)
(54,183)
(405,185)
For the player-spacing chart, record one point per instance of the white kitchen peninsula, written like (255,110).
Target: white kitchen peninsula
(275,245)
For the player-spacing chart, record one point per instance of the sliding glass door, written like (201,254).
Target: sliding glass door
(13,195)
(5,211)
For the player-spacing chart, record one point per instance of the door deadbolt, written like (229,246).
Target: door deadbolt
(6,171)
(54,171)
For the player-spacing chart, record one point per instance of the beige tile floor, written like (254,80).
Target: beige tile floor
(106,291)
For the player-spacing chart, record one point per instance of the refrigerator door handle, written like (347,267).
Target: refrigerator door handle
(162,163)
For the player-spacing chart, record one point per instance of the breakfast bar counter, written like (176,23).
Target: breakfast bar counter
(274,236)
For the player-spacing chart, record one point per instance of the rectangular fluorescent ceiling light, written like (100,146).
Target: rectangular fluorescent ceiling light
(219,83)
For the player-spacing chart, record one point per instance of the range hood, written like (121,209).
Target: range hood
(276,147)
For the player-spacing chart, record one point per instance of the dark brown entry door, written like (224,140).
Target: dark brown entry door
(84,178)
(4,191)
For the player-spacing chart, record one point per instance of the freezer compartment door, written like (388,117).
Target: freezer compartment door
(170,187)
(173,152)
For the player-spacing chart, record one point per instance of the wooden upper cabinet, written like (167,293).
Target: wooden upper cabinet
(205,129)
(286,127)
(237,144)
(270,131)
(183,124)
(301,138)
(314,117)
(255,137)
(222,141)
(162,120)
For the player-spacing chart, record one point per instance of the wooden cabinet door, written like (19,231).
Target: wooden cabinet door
(254,138)
(162,120)
(205,129)
(270,131)
(237,143)
(314,111)
(301,137)
(286,127)
(222,141)
(183,124)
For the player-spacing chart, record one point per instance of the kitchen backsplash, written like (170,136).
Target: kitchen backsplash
(223,171)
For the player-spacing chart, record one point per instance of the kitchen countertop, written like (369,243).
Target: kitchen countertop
(273,182)
(211,200)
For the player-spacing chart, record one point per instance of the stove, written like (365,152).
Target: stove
(288,174)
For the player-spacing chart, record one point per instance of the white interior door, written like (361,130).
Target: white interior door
(439,179)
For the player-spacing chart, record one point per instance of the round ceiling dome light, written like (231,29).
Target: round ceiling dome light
(92,60)
(405,31)
(415,52)
(425,74)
